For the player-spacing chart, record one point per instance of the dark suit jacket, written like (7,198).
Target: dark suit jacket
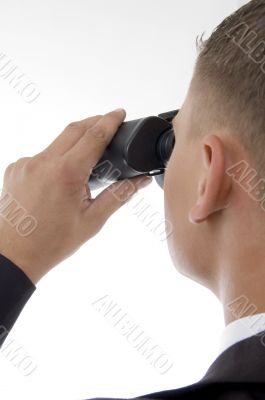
(237,374)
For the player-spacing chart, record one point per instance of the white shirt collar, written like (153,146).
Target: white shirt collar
(241,329)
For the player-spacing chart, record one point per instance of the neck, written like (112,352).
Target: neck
(238,260)
(241,287)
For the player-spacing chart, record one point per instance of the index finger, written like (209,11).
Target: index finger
(70,135)
(91,146)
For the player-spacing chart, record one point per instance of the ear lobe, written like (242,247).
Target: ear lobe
(215,186)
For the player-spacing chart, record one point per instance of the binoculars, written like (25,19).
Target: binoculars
(139,147)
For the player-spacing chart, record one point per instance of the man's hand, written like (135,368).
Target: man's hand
(52,188)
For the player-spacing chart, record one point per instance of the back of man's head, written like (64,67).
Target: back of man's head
(229,80)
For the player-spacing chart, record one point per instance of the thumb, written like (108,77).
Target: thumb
(115,195)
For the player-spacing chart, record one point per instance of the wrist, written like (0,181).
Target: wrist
(29,272)
(11,251)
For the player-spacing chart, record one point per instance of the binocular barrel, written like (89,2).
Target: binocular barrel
(139,147)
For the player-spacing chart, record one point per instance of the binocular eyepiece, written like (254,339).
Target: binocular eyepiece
(140,147)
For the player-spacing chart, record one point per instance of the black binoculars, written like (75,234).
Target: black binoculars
(139,147)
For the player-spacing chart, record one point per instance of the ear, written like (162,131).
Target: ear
(215,184)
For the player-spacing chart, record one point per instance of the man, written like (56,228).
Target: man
(214,197)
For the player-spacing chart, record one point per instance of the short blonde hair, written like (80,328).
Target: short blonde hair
(228,84)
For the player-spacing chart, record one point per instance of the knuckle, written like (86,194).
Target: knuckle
(21,161)
(127,191)
(8,170)
(32,164)
(122,192)
(98,132)
(98,116)
(74,126)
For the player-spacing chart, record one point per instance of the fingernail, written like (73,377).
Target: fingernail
(120,110)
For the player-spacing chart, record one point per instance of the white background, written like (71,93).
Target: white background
(89,57)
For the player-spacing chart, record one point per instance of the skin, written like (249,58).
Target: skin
(51,186)
(218,237)
(218,230)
